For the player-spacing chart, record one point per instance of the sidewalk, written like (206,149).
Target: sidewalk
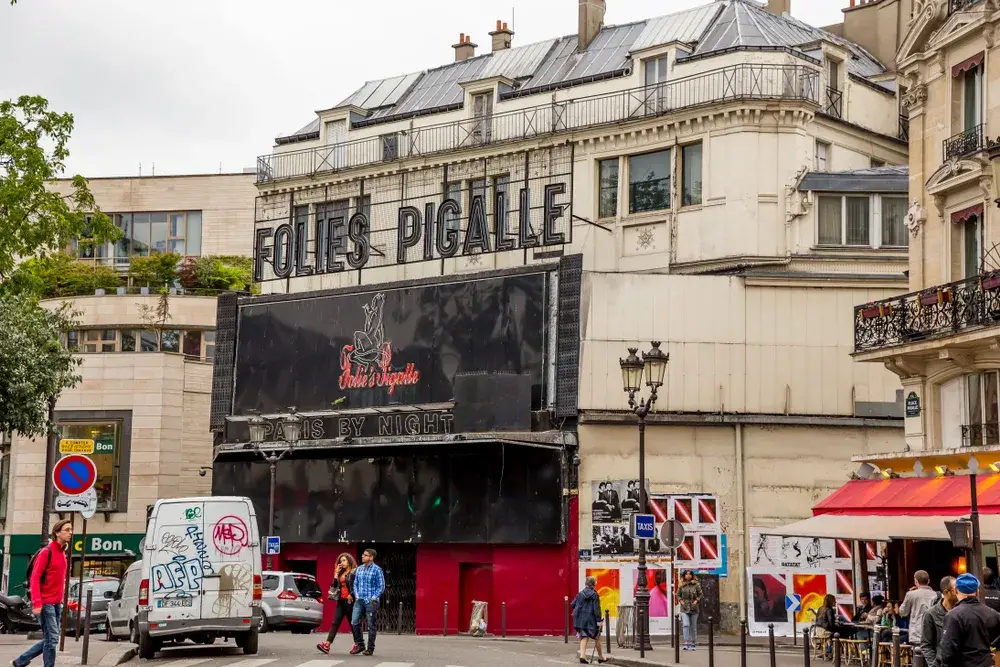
(100,652)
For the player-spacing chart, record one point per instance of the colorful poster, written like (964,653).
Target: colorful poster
(698,514)
(608,585)
(811,589)
(769,592)
(617,584)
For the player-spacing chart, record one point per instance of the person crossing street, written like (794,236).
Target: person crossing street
(48,572)
(369,585)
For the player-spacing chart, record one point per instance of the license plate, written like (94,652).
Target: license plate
(100,627)
(175,602)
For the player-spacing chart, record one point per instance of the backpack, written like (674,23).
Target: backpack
(31,567)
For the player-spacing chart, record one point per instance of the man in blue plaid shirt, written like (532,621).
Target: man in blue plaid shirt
(369,584)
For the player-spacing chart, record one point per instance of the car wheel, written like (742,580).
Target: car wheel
(208,640)
(147,646)
(108,635)
(250,643)
(262,625)
(133,635)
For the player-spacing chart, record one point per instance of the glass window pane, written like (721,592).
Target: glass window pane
(106,456)
(973,387)
(140,234)
(148,342)
(829,220)
(193,236)
(176,229)
(158,233)
(72,339)
(90,347)
(858,221)
(93,334)
(192,344)
(454,191)
(972,256)
(649,182)
(108,347)
(209,345)
(691,168)
(608,206)
(108,334)
(990,406)
(894,232)
(176,245)
(128,340)
(971,99)
(822,155)
(171,341)
(124,246)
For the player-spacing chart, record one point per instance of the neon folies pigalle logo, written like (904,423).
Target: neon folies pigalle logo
(368,362)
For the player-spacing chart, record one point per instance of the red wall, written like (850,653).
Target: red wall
(325,556)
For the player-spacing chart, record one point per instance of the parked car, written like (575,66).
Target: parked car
(290,600)
(104,589)
(124,606)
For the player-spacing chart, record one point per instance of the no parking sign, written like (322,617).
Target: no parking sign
(74,475)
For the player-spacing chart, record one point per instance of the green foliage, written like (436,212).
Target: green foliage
(34,363)
(154,270)
(216,273)
(35,218)
(60,275)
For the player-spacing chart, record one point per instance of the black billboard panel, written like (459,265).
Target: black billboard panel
(378,348)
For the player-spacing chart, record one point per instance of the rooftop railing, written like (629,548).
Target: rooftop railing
(728,84)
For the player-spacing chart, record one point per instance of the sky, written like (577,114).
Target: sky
(202,86)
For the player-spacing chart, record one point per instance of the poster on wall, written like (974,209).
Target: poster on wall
(701,548)
(617,584)
(613,502)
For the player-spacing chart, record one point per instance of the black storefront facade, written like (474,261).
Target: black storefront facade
(439,421)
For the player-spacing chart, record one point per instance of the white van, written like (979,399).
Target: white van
(124,606)
(201,575)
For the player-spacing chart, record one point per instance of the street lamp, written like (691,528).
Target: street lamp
(291,429)
(654,365)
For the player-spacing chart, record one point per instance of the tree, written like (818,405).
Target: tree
(157,270)
(156,317)
(35,219)
(34,364)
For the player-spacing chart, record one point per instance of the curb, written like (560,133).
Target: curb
(119,655)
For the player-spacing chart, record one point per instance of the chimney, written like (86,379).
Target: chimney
(501,37)
(779,7)
(591,22)
(465,49)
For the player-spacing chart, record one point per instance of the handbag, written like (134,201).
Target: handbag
(333,595)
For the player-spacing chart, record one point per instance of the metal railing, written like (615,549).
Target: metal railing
(904,128)
(834,102)
(959,5)
(736,83)
(965,143)
(929,314)
(974,435)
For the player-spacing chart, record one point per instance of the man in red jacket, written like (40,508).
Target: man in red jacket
(48,575)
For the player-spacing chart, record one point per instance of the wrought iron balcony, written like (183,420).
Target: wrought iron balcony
(904,128)
(974,435)
(930,314)
(959,5)
(965,143)
(742,82)
(834,102)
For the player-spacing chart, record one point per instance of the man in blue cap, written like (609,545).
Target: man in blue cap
(969,629)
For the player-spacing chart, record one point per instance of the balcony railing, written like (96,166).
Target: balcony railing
(904,128)
(834,102)
(965,143)
(929,314)
(974,435)
(959,5)
(736,83)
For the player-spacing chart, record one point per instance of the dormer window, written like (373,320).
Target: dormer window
(656,70)
(482,113)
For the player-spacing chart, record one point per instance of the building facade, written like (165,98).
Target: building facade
(668,162)
(145,393)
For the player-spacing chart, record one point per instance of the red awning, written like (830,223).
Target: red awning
(967,64)
(966,214)
(914,496)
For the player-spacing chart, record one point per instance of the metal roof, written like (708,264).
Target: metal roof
(385,92)
(518,62)
(686,26)
(876,179)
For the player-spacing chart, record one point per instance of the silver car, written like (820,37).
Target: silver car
(104,590)
(290,600)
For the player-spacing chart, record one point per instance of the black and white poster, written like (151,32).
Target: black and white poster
(614,501)
(612,540)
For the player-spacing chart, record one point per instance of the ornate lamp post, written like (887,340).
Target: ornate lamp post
(654,365)
(291,428)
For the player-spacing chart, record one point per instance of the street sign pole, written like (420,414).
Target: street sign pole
(65,608)
(79,593)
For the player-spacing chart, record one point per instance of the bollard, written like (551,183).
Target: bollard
(677,644)
(805,643)
(711,642)
(86,629)
(445,633)
(399,620)
(795,628)
(743,643)
(607,628)
(673,634)
(895,647)
(770,643)
(642,634)
(565,620)
(836,649)
(503,620)
(918,659)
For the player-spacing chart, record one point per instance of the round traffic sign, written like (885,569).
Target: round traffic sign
(74,474)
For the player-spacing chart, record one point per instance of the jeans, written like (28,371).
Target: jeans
(51,613)
(690,623)
(342,611)
(366,609)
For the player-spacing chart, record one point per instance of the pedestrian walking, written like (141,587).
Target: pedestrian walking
(46,580)
(689,596)
(916,603)
(587,619)
(970,629)
(933,624)
(340,594)
(369,585)
(989,593)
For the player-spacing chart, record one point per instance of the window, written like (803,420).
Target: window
(128,337)
(973,401)
(91,340)
(195,344)
(157,233)
(147,341)
(109,340)
(336,209)
(209,345)
(145,233)
(192,344)
(649,182)
(106,456)
(972,233)
(894,232)
(482,109)
(656,70)
(691,175)
(477,188)
(608,197)
(822,156)
(270,582)
(72,340)
(453,191)
(858,221)
(972,98)
(170,341)
(833,74)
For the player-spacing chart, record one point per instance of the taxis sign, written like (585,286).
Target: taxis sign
(67,446)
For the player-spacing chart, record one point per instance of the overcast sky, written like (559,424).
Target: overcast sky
(188,85)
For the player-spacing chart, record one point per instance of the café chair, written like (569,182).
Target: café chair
(853,650)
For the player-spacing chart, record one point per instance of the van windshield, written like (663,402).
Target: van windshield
(308,587)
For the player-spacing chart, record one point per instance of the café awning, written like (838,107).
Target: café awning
(877,528)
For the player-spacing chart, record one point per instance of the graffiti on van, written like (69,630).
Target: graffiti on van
(192,513)
(233,578)
(197,536)
(173,543)
(181,573)
(230,535)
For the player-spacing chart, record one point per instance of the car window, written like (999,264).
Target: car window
(270,582)
(101,587)
(307,587)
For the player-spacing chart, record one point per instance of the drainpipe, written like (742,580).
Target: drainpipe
(741,519)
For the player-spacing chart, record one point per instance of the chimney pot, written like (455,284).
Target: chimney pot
(504,25)
(465,49)
(499,23)
(501,37)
